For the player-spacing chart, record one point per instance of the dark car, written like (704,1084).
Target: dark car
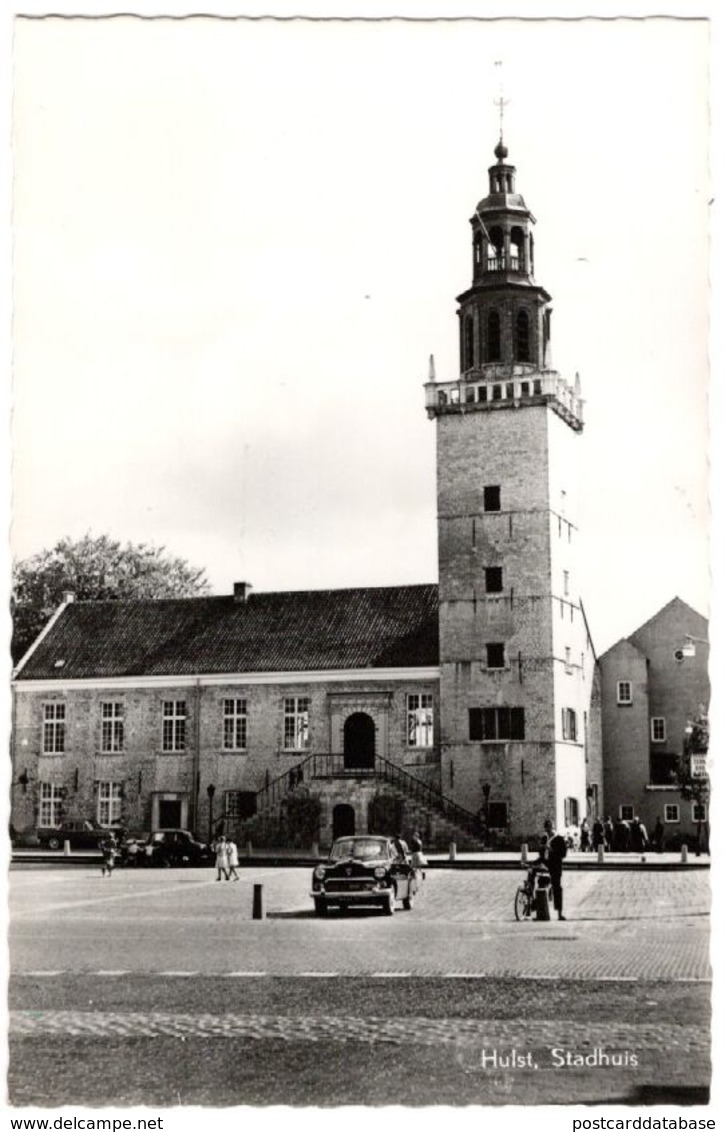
(174,847)
(364,870)
(81,835)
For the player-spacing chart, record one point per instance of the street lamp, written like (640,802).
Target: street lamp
(211,791)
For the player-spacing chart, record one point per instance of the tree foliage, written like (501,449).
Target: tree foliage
(95,569)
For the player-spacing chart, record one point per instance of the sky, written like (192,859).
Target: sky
(236,243)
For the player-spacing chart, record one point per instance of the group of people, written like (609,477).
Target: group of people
(413,855)
(227,858)
(620,837)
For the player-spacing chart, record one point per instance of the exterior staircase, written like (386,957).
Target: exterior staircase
(411,803)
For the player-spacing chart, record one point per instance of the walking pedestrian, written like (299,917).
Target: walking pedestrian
(584,836)
(608,834)
(637,836)
(232,859)
(220,849)
(597,834)
(621,836)
(554,853)
(417,858)
(658,835)
(108,848)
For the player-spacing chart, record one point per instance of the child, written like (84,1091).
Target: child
(232,859)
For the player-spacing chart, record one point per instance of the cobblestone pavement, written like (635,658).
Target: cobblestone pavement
(110,976)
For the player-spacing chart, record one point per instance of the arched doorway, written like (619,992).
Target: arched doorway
(343,821)
(359,742)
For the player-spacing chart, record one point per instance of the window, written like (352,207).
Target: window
(296,723)
(672,812)
(626,813)
(495,392)
(174,730)
(524,388)
(51,804)
(111,728)
(498,815)
(235,725)
(571,811)
(495,655)
(420,719)
(493,348)
(496,724)
(662,768)
(494,579)
(492,497)
(110,798)
(568,723)
(624,692)
(658,730)
(522,337)
(53,729)
(699,811)
(240,804)
(567,660)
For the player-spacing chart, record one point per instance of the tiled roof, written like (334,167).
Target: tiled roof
(269,632)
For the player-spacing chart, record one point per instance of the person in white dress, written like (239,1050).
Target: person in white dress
(232,860)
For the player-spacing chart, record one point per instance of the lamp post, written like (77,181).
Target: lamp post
(211,791)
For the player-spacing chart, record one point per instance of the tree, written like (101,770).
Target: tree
(692,779)
(94,569)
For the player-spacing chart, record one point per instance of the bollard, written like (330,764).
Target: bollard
(315,848)
(258,902)
(541,904)
(524,853)
(684,854)
(452,851)
(249,848)
(66,848)
(600,854)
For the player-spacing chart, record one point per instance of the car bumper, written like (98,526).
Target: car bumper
(366,896)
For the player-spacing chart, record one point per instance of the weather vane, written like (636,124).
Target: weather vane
(500,101)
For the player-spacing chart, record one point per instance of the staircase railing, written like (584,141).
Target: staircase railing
(317,766)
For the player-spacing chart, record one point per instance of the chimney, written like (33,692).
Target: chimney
(68,597)
(242,590)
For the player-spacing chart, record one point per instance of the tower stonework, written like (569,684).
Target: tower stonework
(518,730)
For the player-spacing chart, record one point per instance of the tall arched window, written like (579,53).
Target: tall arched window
(522,337)
(468,343)
(477,251)
(493,345)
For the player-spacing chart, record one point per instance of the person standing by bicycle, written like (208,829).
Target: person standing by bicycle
(554,853)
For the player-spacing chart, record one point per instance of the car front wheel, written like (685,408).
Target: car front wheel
(320,906)
(389,905)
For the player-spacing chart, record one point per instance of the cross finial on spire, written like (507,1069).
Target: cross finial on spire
(500,101)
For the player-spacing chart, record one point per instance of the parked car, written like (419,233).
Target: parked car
(81,835)
(174,847)
(363,870)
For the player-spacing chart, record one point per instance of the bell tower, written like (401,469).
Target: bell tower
(517,736)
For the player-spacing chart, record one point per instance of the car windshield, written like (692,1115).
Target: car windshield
(361,848)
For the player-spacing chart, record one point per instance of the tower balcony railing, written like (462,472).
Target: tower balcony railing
(505,263)
(496,389)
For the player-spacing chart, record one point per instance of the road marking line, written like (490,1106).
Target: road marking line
(391,974)
(113,974)
(245,974)
(43,974)
(178,974)
(317,974)
(41,911)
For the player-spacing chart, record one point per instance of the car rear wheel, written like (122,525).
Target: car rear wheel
(54,843)
(408,902)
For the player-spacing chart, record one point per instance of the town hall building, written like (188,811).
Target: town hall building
(468,709)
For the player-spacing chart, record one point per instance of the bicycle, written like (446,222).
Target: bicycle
(536,887)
